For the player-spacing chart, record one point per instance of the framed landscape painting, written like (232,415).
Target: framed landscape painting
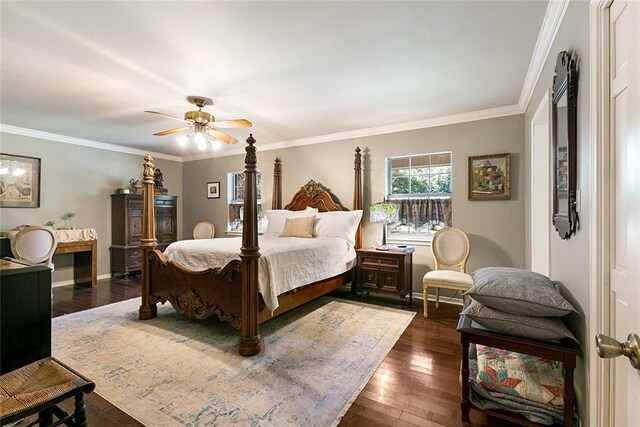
(490,177)
(19,181)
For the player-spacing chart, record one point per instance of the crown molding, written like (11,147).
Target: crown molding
(490,113)
(15,130)
(550,25)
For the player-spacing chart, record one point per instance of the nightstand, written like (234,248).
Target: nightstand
(385,271)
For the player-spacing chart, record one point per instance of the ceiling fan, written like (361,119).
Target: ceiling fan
(201,126)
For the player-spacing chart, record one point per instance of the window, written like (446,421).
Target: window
(420,185)
(235,183)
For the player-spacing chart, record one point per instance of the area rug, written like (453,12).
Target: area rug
(172,370)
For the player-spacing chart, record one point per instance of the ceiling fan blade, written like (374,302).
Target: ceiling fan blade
(222,136)
(236,123)
(170,131)
(166,115)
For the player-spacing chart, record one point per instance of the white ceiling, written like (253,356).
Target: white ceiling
(295,69)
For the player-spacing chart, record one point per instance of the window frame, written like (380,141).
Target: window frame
(414,238)
(231,192)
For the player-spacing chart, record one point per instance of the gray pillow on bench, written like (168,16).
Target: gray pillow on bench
(539,328)
(517,291)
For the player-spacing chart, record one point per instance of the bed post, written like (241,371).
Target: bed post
(357,192)
(276,199)
(249,333)
(148,240)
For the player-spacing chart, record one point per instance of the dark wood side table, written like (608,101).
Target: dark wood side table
(564,352)
(385,271)
(25,314)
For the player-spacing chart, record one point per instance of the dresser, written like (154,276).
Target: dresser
(385,271)
(25,314)
(126,229)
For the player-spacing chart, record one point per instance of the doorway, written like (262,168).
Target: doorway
(540,187)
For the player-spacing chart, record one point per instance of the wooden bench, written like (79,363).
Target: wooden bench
(564,352)
(37,389)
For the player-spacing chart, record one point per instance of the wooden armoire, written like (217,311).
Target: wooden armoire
(126,229)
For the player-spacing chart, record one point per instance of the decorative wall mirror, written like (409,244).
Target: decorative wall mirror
(564,124)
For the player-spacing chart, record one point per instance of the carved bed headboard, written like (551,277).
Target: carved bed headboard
(314,195)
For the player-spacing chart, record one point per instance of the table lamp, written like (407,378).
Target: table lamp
(386,213)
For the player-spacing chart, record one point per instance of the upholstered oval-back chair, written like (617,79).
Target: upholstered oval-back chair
(35,244)
(450,248)
(204,230)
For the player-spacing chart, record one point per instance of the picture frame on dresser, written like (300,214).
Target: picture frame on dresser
(19,181)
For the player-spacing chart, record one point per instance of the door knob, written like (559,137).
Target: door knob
(607,348)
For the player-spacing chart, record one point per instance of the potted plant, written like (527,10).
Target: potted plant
(68,216)
(50,223)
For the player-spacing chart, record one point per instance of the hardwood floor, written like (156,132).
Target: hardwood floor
(417,384)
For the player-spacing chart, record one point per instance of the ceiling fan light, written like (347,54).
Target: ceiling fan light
(199,139)
(182,140)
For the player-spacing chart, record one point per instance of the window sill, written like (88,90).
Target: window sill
(238,233)
(409,241)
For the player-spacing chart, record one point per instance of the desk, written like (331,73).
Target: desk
(82,243)
(85,260)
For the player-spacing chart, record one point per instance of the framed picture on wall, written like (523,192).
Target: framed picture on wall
(490,177)
(213,190)
(19,181)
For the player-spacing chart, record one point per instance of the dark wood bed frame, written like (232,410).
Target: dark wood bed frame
(231,292)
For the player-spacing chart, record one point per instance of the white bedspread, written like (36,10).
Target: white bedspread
(285,263)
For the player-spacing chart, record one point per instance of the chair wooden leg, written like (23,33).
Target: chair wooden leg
(437,297)
(80,414)
(425,302)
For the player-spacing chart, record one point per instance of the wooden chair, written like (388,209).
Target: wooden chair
(450,247)
(204,230)
(35,244)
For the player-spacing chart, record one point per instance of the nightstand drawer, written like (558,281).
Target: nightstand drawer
(389,279)
(369,277)
(379,262)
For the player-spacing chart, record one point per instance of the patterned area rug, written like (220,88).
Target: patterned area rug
(173,371)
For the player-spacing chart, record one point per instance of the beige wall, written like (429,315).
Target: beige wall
(80,179)
(570,258)
(496,228)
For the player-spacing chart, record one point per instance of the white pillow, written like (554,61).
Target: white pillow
(341,224)
(277,217)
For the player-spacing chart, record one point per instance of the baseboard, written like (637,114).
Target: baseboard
(71,282)
(418,296)
(443,299)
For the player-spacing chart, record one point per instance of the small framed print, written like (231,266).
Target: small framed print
(213,190)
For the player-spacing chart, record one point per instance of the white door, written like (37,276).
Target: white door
(540,188)
(624,101)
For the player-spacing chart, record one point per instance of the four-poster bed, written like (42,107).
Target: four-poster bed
(231,292)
